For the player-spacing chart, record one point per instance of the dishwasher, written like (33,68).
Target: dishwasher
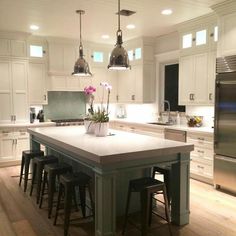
(175,135)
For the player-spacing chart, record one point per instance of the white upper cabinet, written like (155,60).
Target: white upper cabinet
(198,35)
(227,28)
(13,91)
(13,47)
(37,83)
(138,84)
(197,79)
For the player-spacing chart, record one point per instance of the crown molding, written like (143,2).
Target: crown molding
(224,8)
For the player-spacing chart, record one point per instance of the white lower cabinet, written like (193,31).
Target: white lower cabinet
(201,166)
(12,142)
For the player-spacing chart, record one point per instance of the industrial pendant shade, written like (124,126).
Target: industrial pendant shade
(119,59)
(81,67)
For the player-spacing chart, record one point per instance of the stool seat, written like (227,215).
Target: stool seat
(27,155)
(77,178)
(38,167)
(146,186)
(140,184)
(68,182)
(51,171)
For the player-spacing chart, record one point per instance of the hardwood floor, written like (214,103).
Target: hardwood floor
(213,213)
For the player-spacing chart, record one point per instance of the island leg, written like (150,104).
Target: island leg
(105,205)
(180,190)
(34,145)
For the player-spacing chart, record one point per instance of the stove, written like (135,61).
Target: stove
(69,122)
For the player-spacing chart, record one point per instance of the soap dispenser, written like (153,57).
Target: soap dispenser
(178,119)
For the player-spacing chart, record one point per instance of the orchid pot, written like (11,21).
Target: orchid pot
(101,129)
(89,126)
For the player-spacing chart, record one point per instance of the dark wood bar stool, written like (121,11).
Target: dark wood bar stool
(166,172)
(146,186)
(68,182)
(38,167)
(51,172)
(27,156)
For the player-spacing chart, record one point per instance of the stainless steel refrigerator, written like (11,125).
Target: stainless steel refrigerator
(225,124)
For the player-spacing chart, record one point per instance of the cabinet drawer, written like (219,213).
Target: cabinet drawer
(202,160)
(200,140)
(203,153)
(201,169)
(6,133)
(22,133)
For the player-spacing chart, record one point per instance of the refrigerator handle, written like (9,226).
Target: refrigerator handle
(217,94)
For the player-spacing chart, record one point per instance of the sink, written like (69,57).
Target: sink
(160,123)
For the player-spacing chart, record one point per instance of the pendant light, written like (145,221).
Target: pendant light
(81,67)
(119,59)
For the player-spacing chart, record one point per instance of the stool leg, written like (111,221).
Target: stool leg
(82,194)
(150,209)
(91,200)
(167,212)
(43,188)
(58,202)
(167,183)
(33,178)
(51,190)
(39,181)
(22,168)
(145,204)
(67,208)
(75,200)
(126,211)
(27,164)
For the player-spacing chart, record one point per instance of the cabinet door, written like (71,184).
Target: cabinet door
(69,57)
(186,80)
(139,86)
(58,83)
(201,79)
(18,48)
(5,47)
(211,76)
(19,82)
(126,85)
(7,146)
(37,83)
(5,92)
(56,58)
(227,35)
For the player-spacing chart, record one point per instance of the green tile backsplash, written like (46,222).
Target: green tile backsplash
(65,105)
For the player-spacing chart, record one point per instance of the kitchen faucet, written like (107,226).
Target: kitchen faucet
(168,110)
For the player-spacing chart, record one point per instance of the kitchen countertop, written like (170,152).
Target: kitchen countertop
(118,147)
(26,125)
(206,130)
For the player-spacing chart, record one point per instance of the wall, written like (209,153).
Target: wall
(65,105)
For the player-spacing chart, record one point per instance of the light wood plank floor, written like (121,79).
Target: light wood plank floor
(213,213)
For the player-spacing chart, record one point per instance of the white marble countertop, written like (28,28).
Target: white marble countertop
(207,130)
(26,125)
(117,147)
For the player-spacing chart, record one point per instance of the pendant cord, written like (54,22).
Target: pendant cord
(118,15)
(80,29)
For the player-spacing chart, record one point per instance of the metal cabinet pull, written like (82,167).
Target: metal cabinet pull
(190,96)
(117,98)
(210,96)
(133,97)
(199,151)
(200,167)
(193,96)
(45,97)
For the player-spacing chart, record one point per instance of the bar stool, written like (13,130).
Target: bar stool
(146,186)
(166,172)
(68,182)
(38,166)
(51,171)
(27,155)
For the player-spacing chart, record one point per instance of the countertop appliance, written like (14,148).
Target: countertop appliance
(225,124)
(68,122)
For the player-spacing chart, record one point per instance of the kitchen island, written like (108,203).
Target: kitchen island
(116,159)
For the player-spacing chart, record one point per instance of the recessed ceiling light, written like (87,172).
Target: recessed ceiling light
(105,36)
(130,26)
(34,27)
(166,12)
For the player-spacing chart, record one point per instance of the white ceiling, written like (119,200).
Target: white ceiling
(58,17)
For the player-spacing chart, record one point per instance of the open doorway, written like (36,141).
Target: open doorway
(171,85)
